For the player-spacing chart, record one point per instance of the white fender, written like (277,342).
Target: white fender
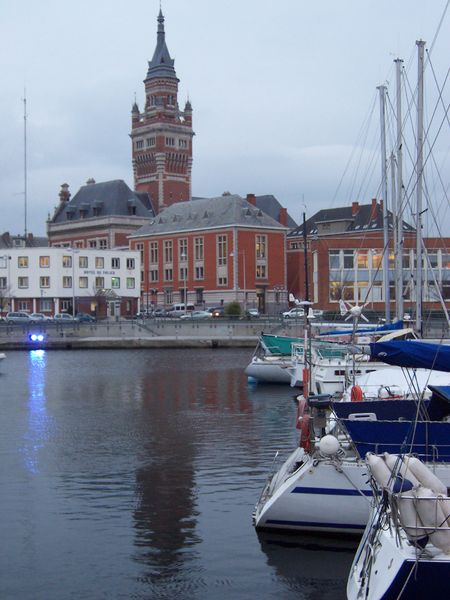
(432,516)
(394,462)
(379,469)
(409,517)
(426,477)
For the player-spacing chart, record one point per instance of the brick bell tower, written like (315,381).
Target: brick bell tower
(162,135)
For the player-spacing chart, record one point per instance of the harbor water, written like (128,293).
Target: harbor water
(134,474)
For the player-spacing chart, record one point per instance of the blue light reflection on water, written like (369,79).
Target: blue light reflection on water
(37,415)
(133,474)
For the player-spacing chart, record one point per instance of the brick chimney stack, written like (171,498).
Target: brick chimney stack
(252,199)
(283,216)
(374,211)
(355,208)
(64,194)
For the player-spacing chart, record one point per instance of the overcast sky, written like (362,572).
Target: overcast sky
(281,90)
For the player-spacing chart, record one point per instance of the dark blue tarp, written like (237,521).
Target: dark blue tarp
(412,354)
(374,329)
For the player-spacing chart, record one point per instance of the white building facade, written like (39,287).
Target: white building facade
(50,280)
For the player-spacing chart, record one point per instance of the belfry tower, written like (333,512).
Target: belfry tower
(162,135)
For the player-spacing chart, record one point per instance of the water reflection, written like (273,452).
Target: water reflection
(315,566)
(37,414)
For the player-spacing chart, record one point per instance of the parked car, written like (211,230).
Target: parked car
(39,317)
(85,318)
(19,317)
(197,314)
(218,312)
(179,309)
(63,318)
(252,313)
(294,313)
(159,312)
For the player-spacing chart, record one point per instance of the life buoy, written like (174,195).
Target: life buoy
(356,394)
(304,432)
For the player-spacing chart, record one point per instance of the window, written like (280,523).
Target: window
(183,274)
(170,141)
(334,259)
(130,283)
(349,259)
(66,305)
(182,250)
(46,304)
(83,262)
(79,245)
(115,263)
(130,263)
(222,281)
(66,261)
(4,261)
(377,258)
(92,243)
(139,144)
(168,251)
(23,305)
(168,274)
(99,262)
(153,274)
(22,262)
(168,296)
(103,244)
(83,282)
(154,253)
(115,282)
(151,142)
(199,272)
(432,259)
(99,282)
(261,247)
(362,259)
(44,262)
(140,247)
(3,283)
(199,296)
(198,248)
(44,282)
(222,250)
(67,282)
(261,271)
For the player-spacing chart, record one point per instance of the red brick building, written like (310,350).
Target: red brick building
(161,135)
(212,251)
(344,256)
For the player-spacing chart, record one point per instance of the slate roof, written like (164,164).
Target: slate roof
(16,241)
(108,198)
(361,222)
(161,64)
(205,213)
(270,205)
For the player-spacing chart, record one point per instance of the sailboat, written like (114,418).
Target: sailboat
(405,550)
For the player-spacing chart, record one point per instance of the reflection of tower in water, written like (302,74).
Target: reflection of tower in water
(165,517)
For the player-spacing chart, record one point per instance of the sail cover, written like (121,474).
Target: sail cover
(412,354)
(374,329)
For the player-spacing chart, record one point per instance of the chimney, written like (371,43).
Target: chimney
(64,194)
(374,210)
(355,208)
(282,218)
(252,199)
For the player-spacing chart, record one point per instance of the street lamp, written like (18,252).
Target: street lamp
(183,258)
(233,254)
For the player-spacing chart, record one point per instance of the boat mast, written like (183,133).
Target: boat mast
(25,161)
(398,212)
(305,257)
(387,295)
(419,172)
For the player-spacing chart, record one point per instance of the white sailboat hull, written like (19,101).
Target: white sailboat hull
(269,370)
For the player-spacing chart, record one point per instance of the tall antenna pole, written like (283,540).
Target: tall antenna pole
(25,160)
(387,294)
(398,213)
(419,171)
